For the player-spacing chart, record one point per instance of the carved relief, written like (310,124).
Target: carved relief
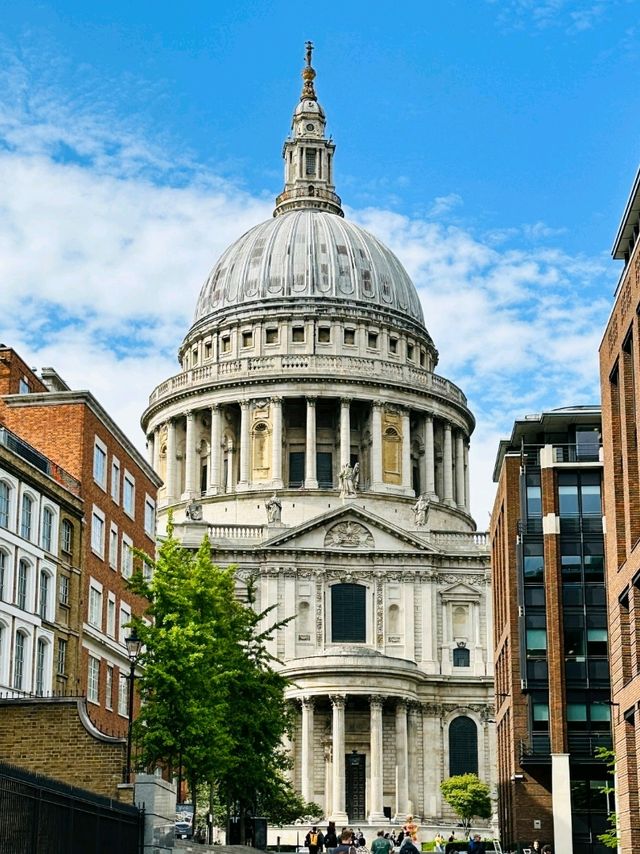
(379,613)
(349,535)
(319,613)
(391,447)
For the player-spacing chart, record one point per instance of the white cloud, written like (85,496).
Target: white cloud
(570,15)
(105,240)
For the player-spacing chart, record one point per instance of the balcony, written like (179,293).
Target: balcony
(35,458)
(581,746)
(475,541)
(321,367)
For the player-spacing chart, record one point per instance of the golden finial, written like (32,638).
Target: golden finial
(308,75)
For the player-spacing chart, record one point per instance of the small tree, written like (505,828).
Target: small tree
(610,837)
(468,797)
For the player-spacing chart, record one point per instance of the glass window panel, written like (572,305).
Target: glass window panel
(568,500)
(533,562)
(591,504)
(576,711)
(572,594)
(600,712)
(534,501)
(534,596)
(574,642)
(536,642)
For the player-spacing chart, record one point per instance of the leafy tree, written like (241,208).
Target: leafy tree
(468,796)
(610,837)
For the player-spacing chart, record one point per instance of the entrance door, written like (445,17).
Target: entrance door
(355,766)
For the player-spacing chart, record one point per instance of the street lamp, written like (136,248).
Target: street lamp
(134,645)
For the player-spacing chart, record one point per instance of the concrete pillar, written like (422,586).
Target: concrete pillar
(152,444)
(414,808)
(447,464)
(467,494)
(276,443)
(376,446)
(376,797)
(171,461)
(213,486)
(345,431)
(190,457)
(460,469)
(328,782)
(432,753)
(429,459)
(402,770)
(561,802)
(231,461)
(245,449)
(307,753)
(338,813)
(311,476)
(406,452)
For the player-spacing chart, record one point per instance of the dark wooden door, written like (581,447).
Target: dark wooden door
(355,765)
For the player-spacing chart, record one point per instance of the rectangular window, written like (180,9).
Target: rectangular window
(372,340)
(271,336)
(297,334)
(393,345)
(111,616)
(568,500)
(147,571)
(93,681)
(350,336)
(536,643)
(21,593)
(44,594)
(100,463)
(125,617)
(108,689)
(95,607)
(348,613)
(247,339)
(591,504)
(226,344)
(129,494)
(577,715)
(18,661)
(97,532)
(149,517)
(596,642)
(534,502)
(41,654)
(410,351)
(324,335)
(23,386)
(64,590)
(127,557)
(46,535)
(113,547)
(26,517)
(310,161)
(123,701)
(115,480)
(61,663)
(533,562)
(540,716)
(5,494)
(67,536)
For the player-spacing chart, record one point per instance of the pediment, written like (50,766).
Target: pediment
(460,591)
(349,529)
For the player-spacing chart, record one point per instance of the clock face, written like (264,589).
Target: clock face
(310,127)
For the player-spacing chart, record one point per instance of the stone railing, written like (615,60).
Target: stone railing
(464,540)
(320,366)
(236,532)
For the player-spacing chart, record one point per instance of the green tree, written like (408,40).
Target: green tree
(610,837)
(468,796)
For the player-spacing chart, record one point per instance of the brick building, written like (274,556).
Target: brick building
(552,677)
(619,372)
(40,535)
(118,488)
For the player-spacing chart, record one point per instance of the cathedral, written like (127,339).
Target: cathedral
(309,437)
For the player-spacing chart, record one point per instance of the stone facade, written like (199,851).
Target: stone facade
(308,437)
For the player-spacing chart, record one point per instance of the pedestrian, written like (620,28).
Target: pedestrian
(380,844)
(399,837)
(536,846)
(346,842)
(314,840)
(547,850)
(439,843)
(408,846)
(476,845)
(361,842)
(330,837)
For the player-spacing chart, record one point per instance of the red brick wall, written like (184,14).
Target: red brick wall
(12,370)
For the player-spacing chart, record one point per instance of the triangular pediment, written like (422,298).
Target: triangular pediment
(350,529)
(459,591)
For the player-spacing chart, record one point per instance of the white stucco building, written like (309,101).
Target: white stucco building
(308,358)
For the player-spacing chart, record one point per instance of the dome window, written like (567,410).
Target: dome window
(410,351)
(372,341)
(207,350)
(310,161)
(247,339)
(324,335)
(423,358)
(297,334)
(271,336)
(393,345)
(350,337)
(226,344)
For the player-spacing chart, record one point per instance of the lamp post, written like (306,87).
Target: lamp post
(134,645)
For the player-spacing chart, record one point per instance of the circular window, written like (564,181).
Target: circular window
(310,127)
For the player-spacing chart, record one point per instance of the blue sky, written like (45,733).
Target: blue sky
(490,144)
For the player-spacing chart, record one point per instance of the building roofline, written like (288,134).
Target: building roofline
(86,398)
(629,218)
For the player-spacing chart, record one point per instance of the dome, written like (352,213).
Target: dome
(312,255)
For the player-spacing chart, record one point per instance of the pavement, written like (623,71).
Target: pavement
(196,848)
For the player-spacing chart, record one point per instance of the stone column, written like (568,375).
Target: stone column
(245,450)
(447,464)
(467,496)
(213,487)
(311,475)
(307,756)
(345,431)
(328,782)
(460,469)
(376,445)
(415,809)
(376,797)
(171,461)
(151,449)
(190,457)
(276,443)
(430,459)
(406,452)
(231,459)
(402,770)
(338,813)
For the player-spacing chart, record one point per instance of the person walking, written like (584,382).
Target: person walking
(314,840)
(330,837)
(476,845)
(380,845)
(439,841)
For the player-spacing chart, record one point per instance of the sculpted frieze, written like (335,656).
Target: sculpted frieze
(349,535)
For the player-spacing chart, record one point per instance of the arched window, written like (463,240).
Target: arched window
(41,660)
(21,590)
(18,661)
(463,746)
(348,613)
(4,568)
(5,499)
(67,536)
(47,528)
(461,657)
(44,593)
(26,517)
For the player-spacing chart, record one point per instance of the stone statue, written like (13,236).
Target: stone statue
(273,506)
(346,478)
(421,511)
(194,511)
(356,477)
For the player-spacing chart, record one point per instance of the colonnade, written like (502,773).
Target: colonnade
(449,464)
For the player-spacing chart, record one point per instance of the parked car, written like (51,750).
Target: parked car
(183,830)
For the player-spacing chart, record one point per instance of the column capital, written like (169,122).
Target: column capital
(215,407)
(401,705)
(276,400)
(378,404)
(376,701)
(245,404)
(428,416)
(447,426)
(308,702)
(311,401)
(338,700)
(345,401)
(190,414)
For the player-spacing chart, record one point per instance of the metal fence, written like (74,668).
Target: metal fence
(43,816)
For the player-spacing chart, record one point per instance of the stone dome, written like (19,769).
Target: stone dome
(312,255)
